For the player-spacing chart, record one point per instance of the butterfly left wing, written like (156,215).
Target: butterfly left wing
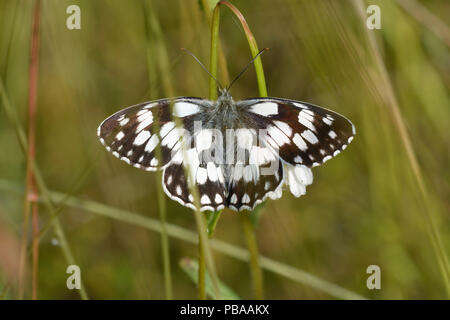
(130,135)
(301,133)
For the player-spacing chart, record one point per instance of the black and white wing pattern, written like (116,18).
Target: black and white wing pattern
(232,178)
(254,173)
(132,136)
(130,133)
(236,154)
(301,133)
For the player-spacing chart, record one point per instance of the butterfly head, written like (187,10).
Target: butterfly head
(225,99)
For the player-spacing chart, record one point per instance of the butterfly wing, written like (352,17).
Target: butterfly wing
(297,136)
(130,134)
(301,133)
(254,173)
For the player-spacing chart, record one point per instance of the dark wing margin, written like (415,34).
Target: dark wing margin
(301,133)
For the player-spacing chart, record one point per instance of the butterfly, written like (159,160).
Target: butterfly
(236,153)
(298,136)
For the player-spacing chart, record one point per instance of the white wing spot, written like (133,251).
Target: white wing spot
(184,109)
(233,198)
(178,190)
(141,112)
(306,120)
(310,136)
(301,106)
(124,121)
(152,143)
(172,138)
(278,135)
(246,198)
(284,127)
(218,198)
(244,138)
(332,134)
(265,109)
(203,140)
(141,137)
(212,171)
(238,171)
(247,173)
(165,128)
(201,175)
(126,160)
(299,142)
(327,121)
(205,199)
(144,121)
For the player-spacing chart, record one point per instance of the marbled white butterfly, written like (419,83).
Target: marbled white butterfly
(238,153)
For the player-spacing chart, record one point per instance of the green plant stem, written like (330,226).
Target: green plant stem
(165,244)
(30,197)
(59,231)
(212,222)
(164,70)
(31,154)
(180,233)
(221,56)
(201,271)
(249,228)
(253,48)
(252,245)
(213,53)
(215,22)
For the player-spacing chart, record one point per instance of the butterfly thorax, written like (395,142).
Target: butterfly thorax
(223,114)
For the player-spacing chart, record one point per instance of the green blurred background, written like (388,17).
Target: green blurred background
(364,208)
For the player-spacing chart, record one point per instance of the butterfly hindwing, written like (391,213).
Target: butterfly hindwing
(256,172)
(207,176)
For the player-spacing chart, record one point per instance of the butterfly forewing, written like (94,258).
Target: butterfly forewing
(130,133)
(301,133)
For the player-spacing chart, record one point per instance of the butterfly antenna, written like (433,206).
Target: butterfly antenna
(201,65)
(246,67)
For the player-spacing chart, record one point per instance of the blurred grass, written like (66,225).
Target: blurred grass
(364,207)
(190,267)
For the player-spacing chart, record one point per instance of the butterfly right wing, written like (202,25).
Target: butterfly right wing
(130,133)
(300,133)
